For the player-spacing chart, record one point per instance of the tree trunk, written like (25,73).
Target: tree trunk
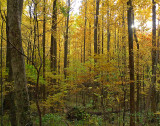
(96,28)
(10,96)
(17,62)
(95,45)
(102,27)
(84,49)
(66,42)
(1,73)
(85,23)
(154,58)
(44,50)
(123,61)
(158,41)
(108,31)
(35,33)
(8,54)
(54,40)
(131,64)
(137,73)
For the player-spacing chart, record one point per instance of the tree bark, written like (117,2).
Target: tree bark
(44,49)
(158,40)
(66,42)
(131,63)
(54,40)
(96,28)
(17,62)
(137,73)
(102,27)
(108,31)
(123,61)
(154,58)
(85,23)
(8,54)
(11,94)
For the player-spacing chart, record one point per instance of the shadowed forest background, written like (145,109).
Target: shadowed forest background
(97,67)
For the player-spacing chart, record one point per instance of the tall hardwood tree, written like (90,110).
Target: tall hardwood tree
(17,62)
(137,70)
(44,49)
(131,63)
(102,27)
(108,25)
(96,27)
(54,40)
(154,58)
(85,23)
(66,41)
(123,60)
(10,97)
(158,40)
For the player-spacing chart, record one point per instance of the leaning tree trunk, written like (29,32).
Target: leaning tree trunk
(17,62)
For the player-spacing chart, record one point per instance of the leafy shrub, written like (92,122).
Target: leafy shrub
(76,114)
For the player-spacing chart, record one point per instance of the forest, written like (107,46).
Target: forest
(80,62)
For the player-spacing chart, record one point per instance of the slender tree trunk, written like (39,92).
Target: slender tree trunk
(102,27)
(84,49)
(96,28)
(108,31)
(123,61)
(85,23)
(131,64)
(66,42)
(137,73)
(35,34)
(99,43)
(44,51)
(96,45)
(8,54)
(54,40)
(31,31)
(1,73)
(158,41)
(154,58)
(17,62)
(90,43)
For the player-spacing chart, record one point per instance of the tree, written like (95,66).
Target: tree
(96,27)
(44,50)
(17,62)
(131,63)
(154,58)
(108,31)
(10,97)
(54,40)
(66,41)
(85,23)
(138,76)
